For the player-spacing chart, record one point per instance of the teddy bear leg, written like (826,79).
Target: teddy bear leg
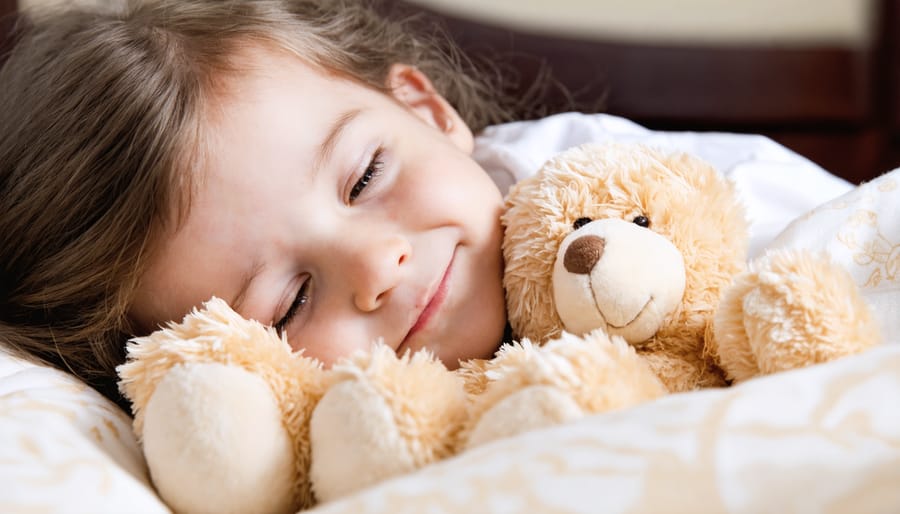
(790,310)
(384,416)
(214,442)
(534,387)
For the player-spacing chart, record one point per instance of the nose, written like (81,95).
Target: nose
(583,254)
(380,266)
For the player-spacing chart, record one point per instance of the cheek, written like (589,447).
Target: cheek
(329,340)
(456,187)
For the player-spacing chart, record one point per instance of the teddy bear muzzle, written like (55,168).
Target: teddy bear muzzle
(619,276)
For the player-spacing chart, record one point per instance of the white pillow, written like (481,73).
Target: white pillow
(65,447)
(861,231)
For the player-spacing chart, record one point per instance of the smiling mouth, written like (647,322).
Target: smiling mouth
(432,307)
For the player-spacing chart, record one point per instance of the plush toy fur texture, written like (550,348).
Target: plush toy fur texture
(790,310)
(373,416)
(730,323)
(626,279)
(206,422)
(686,202)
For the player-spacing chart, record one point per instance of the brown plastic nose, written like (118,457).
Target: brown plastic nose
(583,254)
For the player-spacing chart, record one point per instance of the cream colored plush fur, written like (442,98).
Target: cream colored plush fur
(788,310)
(652,278)
(216,335)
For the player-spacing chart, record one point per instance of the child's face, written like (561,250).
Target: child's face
(341,215)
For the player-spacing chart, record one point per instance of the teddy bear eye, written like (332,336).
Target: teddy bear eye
(641,221)
(580,222)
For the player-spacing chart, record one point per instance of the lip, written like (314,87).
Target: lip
(435,296)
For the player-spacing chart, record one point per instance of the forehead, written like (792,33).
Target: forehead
(270,93)
(258,73)
(256,67)
(271,102)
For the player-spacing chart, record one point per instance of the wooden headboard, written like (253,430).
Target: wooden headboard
(7,18)
(838,106)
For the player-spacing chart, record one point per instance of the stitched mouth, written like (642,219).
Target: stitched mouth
(636,316)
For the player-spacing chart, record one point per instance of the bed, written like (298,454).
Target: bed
(823,439)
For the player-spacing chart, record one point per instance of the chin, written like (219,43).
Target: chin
(475,332)
(482,347)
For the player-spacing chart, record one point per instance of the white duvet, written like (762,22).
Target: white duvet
(824,439)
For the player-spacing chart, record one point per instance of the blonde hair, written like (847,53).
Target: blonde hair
(101,123)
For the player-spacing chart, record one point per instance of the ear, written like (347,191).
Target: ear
(414,90)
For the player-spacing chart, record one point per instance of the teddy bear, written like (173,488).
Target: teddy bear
(651,246)
(626,279)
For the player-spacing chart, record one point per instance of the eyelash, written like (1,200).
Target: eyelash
(373,171)
(296,305)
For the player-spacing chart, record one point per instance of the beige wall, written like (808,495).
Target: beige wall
(846,22)
(785,22)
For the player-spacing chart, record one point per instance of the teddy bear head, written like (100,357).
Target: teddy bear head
(623,238)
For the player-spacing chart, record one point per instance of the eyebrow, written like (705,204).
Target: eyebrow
(323,154)
(326,148)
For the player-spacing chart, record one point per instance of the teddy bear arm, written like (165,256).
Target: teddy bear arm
(214,442)
(534,387)
(383,416)
(789,310)
(680,373)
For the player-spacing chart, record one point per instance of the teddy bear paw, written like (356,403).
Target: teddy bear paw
(533,386)
(531,408)
(215,442)
(790,310)
(383,416)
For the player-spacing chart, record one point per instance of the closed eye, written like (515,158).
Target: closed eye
(371,173)
(301,299)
